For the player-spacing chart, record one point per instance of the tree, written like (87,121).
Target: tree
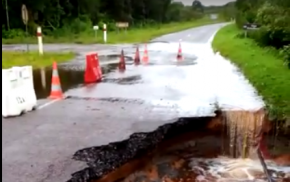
(73,16)
(197,6)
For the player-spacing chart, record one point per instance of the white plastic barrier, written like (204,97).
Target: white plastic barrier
(18,94)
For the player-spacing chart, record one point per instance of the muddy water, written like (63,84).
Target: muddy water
(200,156)
(195,157)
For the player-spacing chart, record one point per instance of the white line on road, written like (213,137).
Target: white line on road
(211,38)
(48,104)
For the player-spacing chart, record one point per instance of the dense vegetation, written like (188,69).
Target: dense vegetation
(274,18)
(72,21)
(63,18)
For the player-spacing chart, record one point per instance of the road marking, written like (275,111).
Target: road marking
(48,104)
(211,37)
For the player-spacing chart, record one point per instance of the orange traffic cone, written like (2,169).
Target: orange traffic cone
(179,54)
(137,57)
(56,91)
(122,64)
(145,58)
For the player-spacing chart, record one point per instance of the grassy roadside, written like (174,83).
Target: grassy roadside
(10,59)
(262,67)
(132,35)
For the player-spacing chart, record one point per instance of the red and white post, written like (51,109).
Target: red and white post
(39,38)
(105,32)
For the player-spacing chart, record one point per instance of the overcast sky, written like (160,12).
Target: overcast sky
(205,2)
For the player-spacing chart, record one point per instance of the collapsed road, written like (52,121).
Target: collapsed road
(129,116)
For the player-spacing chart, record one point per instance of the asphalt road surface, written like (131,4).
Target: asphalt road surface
(38,146)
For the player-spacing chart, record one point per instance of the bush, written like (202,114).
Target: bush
(276,28)
(285,53)
(13,33)
(261,36)
(273,16)
(72,27)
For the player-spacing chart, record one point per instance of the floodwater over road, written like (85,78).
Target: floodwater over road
(71,73)
(192,87)
(200,80)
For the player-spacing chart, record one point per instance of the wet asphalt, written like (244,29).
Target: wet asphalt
(38,146)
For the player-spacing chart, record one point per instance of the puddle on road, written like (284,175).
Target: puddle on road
(42,80)
(129,80)
(71,74)
(155,58)
(69,77)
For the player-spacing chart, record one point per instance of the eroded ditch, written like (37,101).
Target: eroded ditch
(184,150)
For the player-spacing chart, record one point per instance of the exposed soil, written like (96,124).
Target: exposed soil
(187,158)
(105,159)
(186,150)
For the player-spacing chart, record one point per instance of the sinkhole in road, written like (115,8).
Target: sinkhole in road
(188,149)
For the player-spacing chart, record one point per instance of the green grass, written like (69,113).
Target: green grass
(261,66)
(132,35)
(10,59)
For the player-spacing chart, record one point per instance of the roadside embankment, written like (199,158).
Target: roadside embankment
(261,66)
